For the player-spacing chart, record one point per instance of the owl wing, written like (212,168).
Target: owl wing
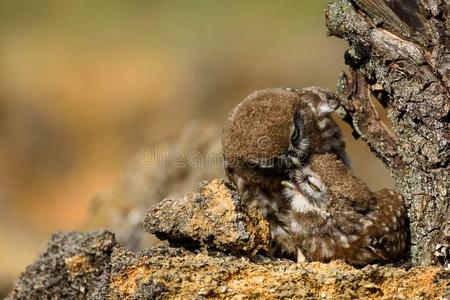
(390,231)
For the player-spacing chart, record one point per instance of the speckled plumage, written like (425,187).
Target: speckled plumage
(259,150)
(336,216)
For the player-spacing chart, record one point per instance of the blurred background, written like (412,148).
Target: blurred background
(87,85)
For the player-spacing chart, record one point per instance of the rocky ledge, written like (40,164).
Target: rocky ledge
(215,251)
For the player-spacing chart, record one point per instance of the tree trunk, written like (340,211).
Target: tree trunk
(399,53)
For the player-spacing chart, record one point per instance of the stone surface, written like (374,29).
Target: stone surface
(213,217)
(164,272)
(68,269)
(91,266)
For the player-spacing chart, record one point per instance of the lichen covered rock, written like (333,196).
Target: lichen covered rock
(68,269)
(164,272)
(91,266)
(213,217)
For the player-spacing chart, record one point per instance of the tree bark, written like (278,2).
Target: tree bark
(399,53)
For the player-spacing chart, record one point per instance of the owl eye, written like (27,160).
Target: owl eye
(295,135)
(313,186)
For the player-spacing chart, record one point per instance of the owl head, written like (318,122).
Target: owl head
(325,184)
(274,129)
(335,215)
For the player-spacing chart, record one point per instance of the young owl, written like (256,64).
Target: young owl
(336,216)
(268,134)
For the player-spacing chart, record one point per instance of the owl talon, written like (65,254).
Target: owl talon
(288,184)
(296,162)
(300,256)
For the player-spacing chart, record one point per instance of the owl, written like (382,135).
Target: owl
(336,216)
(269,133)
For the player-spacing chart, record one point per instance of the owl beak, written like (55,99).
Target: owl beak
(288,184)
(296,162)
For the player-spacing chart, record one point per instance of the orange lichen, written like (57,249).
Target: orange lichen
(77,265)
(127,282)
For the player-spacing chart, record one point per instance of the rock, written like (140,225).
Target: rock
(68,269)
(165,273)
(92,266)
(158,171)
(213,217)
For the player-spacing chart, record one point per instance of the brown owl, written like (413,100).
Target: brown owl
(265,136)
(336,216)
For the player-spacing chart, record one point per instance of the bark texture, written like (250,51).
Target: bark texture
(399,54)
